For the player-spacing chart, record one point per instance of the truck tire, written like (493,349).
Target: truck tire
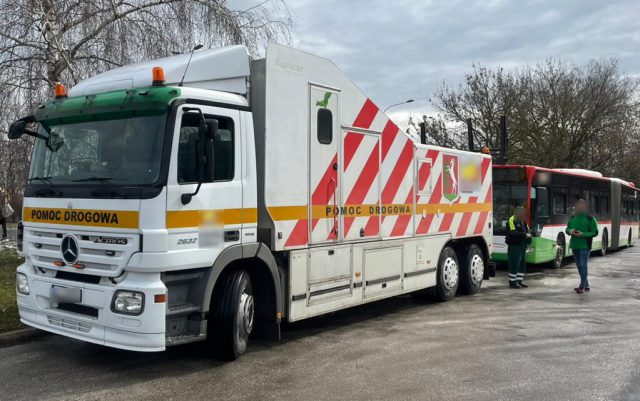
(448,273)
(232,316)
(605,243)
(472,270)
(558,259)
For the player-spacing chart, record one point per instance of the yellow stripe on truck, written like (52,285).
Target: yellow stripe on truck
(82,217)
(196,218)
(283,213)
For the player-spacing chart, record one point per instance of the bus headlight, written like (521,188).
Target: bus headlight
(22,284)
(128,302)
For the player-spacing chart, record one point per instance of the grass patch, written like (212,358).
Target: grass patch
(9,260)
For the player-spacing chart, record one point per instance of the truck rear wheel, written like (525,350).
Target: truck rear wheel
(447,275)
(233,313)
(472,270)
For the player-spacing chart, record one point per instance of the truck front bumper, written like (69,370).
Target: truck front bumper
(94,321)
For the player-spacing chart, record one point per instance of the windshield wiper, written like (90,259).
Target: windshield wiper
(50,188)
(104,180)
(46,180)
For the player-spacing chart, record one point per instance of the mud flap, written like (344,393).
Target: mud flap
(490,271)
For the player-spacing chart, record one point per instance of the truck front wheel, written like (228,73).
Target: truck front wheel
(233,313)
(448,274)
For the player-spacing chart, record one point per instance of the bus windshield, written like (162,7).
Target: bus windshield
(123,152)
(505,198)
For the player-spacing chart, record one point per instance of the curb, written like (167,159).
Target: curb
(21,336)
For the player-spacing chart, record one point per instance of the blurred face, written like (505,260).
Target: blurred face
(519,214)
(581,207)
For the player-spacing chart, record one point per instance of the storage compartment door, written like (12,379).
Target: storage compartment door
(324,189)
(382,271)
(360,210)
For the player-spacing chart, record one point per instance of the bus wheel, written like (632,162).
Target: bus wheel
(556,263)
(605,243)
(447,275)
(232,315)
(472,270)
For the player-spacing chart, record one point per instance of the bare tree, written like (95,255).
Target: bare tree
(559,114)
(46,41)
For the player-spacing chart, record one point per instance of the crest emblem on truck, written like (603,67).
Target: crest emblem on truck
(450,189)
(69,249)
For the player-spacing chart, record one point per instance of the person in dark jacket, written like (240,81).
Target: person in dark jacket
(582,228)
(518,237)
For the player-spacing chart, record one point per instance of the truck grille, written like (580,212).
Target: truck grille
(43,247)
(69,323)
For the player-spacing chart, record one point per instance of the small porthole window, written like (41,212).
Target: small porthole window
(325,126)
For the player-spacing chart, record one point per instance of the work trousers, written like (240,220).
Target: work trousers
(517,263)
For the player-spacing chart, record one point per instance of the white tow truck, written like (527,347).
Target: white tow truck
(213,197)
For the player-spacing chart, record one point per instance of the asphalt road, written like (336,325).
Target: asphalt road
(544,343)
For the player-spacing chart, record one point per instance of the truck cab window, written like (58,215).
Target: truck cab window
(325,126)
(223,149)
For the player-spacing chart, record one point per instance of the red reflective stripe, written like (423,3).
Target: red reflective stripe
(351,143)
(484,215)
(299,235)
(445,224)
(400,227)
(466,219)
(436,195)
(392,185)
(389,134)
(364,120)
(367,115)
(398,173)
(361,188)
(425,224)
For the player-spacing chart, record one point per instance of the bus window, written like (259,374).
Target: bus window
(593,204)
(559,203)
(505,199)
(604,205)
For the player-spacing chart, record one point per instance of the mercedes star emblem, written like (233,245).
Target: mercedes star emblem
(69,249)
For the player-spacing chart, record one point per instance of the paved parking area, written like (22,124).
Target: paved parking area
(544,343)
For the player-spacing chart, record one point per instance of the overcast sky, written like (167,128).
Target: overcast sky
(402,49)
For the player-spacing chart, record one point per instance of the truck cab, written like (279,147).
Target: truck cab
(138,183)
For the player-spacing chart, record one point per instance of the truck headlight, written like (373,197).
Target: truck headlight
(22,284)
(128,302)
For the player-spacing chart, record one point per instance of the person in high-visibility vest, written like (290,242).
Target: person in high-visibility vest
(518,236)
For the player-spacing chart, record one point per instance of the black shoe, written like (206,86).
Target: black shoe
(579,290)
(514,285)
(523,285)
(587,289)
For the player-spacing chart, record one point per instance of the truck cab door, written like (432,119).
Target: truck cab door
(324,190)
(216,210)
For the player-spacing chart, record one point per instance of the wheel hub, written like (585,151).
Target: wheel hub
(450,273)
(246,311)
(477,269)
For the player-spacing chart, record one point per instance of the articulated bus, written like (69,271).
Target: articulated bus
(549,196)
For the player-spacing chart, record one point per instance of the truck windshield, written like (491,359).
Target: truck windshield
(505,198)
(123,152)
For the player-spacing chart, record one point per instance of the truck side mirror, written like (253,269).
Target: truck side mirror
(207,130)
(19,128)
